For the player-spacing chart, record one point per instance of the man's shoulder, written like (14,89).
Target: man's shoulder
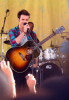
(34,32)
(15,28)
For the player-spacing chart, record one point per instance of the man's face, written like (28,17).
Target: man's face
(23,19)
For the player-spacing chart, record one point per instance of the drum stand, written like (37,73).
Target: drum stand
(2,38)
(37,72)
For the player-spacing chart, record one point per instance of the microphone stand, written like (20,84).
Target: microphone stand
(2,38)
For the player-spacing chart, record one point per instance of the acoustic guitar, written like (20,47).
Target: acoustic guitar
(21,56)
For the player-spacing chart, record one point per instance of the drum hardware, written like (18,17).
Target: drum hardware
(7,42)
(63,37)
(65,32)
(64,54)
(38,74)
(2,40)
(67,39)
(2,37)
(55,46)
(4,33)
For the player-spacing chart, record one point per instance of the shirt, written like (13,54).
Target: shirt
(15,32)
(24,40)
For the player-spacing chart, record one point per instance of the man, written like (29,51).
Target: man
(18,36)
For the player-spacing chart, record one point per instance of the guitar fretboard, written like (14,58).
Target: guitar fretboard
(43,41)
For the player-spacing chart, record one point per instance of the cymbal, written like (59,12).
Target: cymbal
(7,42)
(67,39)
(63,37)
(4,33)
(55,46)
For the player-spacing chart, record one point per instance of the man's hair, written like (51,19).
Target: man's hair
(23,12)
(31,25)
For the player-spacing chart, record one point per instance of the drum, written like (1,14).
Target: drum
(64,50)
(41,56)
(50,54)
(50,70)
(64,55)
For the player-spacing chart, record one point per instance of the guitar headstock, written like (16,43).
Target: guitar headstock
(60,29)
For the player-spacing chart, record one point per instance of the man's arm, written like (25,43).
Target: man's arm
(13,39)
(19,38)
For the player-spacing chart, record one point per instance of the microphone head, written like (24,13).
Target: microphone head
(7,10)
(28,30)
(24,23)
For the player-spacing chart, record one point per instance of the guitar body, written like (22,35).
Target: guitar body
(21,56)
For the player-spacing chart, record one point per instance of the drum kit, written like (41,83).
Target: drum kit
(49,57)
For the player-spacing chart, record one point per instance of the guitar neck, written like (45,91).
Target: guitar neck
(43,41)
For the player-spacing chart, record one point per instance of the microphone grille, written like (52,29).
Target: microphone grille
(24,23)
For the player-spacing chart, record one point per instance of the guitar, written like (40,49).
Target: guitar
(21,56)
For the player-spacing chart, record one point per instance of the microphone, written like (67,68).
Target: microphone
(28,30)
(24,23)
(7,10)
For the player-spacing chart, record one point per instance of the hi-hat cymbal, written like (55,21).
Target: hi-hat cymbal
(7,42)
(67,39)
(63,37)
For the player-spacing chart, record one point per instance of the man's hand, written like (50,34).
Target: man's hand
(26,27)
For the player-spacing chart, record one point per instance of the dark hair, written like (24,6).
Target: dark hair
(32,25)
(23,12)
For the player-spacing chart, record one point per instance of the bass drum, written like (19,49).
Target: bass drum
(50,70)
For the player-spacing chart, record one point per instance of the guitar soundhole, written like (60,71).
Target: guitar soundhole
(28,57)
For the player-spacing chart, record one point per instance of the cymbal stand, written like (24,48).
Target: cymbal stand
(2,37)
(2,40)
